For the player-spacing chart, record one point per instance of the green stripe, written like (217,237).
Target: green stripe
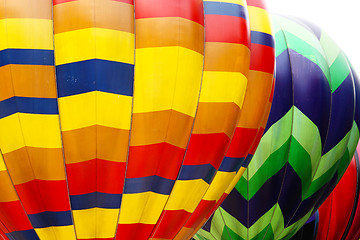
(332,49)
(308,136)
(339,71)
(273,139)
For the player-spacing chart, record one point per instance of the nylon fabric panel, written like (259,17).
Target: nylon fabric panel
(253,117)
(168,74)
(31,140)
(94,56)
(222,93)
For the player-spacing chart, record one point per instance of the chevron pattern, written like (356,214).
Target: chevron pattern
(308,142)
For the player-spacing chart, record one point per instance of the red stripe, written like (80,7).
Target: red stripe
(264,59)
(136,231)
(13,216)
(96,175)
(2,234)
(171,223)
(81,177)
(161,159)
(56,2)
(40,195)
(272,91)
(200,213)
(228,29)
(110,176)
(241,142)
(256,3)
(207,149)
(189,9)
(257,141)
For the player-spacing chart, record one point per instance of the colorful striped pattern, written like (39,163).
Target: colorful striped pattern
(94,56)
(253,118)
(222,92)
(308,142)
(116,115)
(30,138)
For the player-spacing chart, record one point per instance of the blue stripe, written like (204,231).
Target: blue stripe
(23,235)
(149,184)
(96,199)
(48,219)
(191,172)
(247,160)
(262,38)
(28,105)
(227,9)
(26,56)
(230,164)
(95,75)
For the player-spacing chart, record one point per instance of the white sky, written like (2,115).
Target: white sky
(339,18)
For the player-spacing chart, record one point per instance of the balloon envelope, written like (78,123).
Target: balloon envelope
(308,142)
(116,116)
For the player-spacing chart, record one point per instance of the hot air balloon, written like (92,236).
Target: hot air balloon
(117,116)
(337,214)
(308,142)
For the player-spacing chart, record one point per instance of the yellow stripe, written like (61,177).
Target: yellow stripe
(186,195)
(259,20)
(95,223)
(239,2)
(235,180)
(223,87)
(167,78)
(142,207)
(54,233)
(219,185)
(90,43)
(33,130)
(2,164)
(88,109)
(26,33)
(114,110)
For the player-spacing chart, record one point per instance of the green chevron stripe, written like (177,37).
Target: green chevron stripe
(350,150)
(308,51)
(339,70)
(230,235)
(337,159)
(281,131)
(310,139)
(280,231)
(332,49)
(328,160)
(233,229)
(300,31)
(270,167)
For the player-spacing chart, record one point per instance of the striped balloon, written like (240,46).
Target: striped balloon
(127,119)
(309,140)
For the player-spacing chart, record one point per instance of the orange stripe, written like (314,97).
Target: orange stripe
(226,57)
(80,14)
(28,81)
(7,189)
(216,118)
(163,126)
(27,163)
(95,142)
(171,31)
(257,94)
(26,9)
